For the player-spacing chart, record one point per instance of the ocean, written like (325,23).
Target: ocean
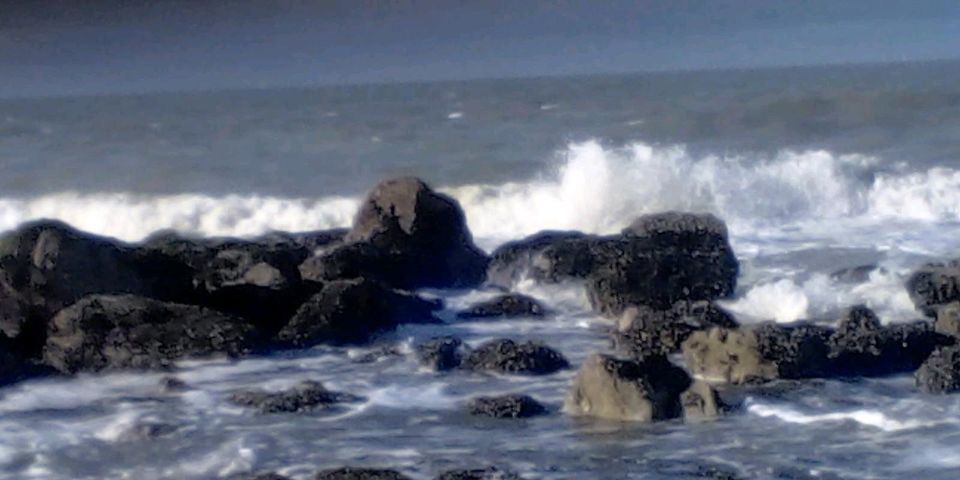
(814,169)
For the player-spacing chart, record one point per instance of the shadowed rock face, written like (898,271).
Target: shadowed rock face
(940,373)
(507,356)
(647,332)
(126,331)
(352,311)
(548,257)
(506,406)
(348,473)
(303,397)
(610,388)
(490,473)
(701,402)
(504,306)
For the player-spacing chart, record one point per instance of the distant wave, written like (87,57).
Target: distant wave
(593,189)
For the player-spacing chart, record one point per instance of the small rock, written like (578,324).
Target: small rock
(442,353)
(506,406)
(146,431)
(172,385)
(701,402)
(349,473)
(305,396)
(505,306)
(490,473)
(259,476)
(507,356)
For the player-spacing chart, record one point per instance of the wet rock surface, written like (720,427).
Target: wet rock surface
(349,473)
(506,406)
(490,473)
(508,356)
(505,306)
(940,373)
(303,397)
(644,332)
(442,353)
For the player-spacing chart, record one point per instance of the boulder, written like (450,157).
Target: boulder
(415,238)
(507,356)
(490,473)
(442,353)
(126,331)
(948,319)
(349,473)
(547,257)
(643,331)
(758,353)
(351,312)
(701,402)
(506,406)
(504,306)
(626,390)
(305,396)
(940,373)
(933,285)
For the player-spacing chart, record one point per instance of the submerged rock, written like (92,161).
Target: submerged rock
(353,311)
(644,332)
(442,353)
(940,373)
(614,389)
(507,356)
(304,396)
(173,385)
(126,331)
(490,473)
(349,473)
(505,306)
(506,406)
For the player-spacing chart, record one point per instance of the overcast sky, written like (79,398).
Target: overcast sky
(57,47)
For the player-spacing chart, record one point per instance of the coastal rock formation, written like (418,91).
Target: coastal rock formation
(490,473)
(506,406)
(352,311)
(610,388)
(408,236)
(643,331)
(349,473)
(505,306)
(933,285)
(701,402)
(126,331)
(548,257)
(304,396)
(507,356)
(442,353)
(940,373)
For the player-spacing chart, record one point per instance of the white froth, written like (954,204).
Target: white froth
(870,418)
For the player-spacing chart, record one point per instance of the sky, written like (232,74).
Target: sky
(65,47)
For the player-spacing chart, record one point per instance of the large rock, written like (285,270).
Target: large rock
(490,473)
(353,311)
(644,332)
(547,257)
(510,305)
(933,285)
(610,388)
(305,396)
(349,473)
(411,236)
(442,353)
(948,319)
(758,353)
(940,373)
(506,406)
(126,331)
(507,356)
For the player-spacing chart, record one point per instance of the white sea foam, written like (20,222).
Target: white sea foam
(870,418)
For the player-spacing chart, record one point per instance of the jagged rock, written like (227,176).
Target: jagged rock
(507,356)
(506,406)
(940,373)
(610,388)
(516,260)
(933,285)
(304,396)
(490,473)
(442,353)
(643,331)
(349,473)
(353,311)
(701,402)
(948,319)
(505,306)
(126,331)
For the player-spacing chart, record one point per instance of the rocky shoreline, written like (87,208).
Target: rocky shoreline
(73,302)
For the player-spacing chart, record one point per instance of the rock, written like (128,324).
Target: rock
(305,396)
(259,476)
(173,385)
(758,353)
(701,402)
(948,319)
(490,473)
(854,275)
(421,236)
(126,331)
(353,311)
(644,332)
(933,285)
(348,473)
(146,430)
(442,353)
(940,373)
(47,265)
(548,257)
(13,367)
(507,356)
(614,389)
(505,306)
(861,346)
(376,355)
(506,406)
(313,240)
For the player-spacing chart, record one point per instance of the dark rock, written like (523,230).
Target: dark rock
(940,373)
(353,311)
(146,431)
(933,285)
(759,353)
(548,257)
(173,385)
(126,331)
(313,240)
(643,331)
(305,396)
(442,353)
(259,476)
(507,356)
(348,473)
(415,238)
(610,388)
(505,306)
(506,406)
(490,473)
(13,367)
(377,354)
